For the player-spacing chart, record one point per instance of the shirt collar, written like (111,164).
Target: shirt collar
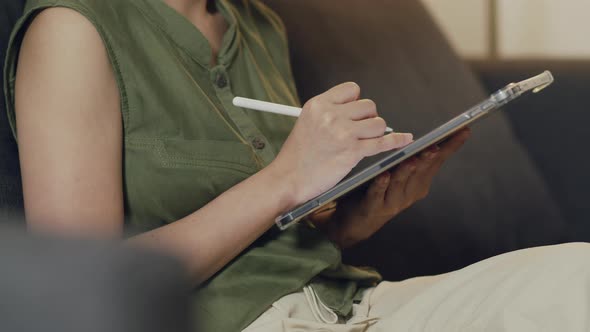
(186,36)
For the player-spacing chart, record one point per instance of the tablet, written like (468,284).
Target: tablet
(358,177)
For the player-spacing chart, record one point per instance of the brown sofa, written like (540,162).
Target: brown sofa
(522,179)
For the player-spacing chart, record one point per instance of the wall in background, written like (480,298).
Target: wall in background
(525,28)
(465,24)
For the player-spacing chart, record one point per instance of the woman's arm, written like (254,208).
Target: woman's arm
(69,128)
(70,139)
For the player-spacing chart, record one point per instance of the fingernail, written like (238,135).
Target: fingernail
(412,164)
(430,155)
(408,138)
(384,179)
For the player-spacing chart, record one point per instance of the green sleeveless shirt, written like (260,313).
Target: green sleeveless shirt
(185,143)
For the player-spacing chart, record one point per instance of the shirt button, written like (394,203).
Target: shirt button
(258,143)
(221,81)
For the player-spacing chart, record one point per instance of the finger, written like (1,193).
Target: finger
(455,142)
(395,195)
(439,155)
(343,93)
(376,193)
(369,128)
(447,150)
(373,146)
(429,156)
(427,166)
(360,109)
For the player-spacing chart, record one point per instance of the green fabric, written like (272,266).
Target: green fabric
(185,143)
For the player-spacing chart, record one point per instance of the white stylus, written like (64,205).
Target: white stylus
(265,106)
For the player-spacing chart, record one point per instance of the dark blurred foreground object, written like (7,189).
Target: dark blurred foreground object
(514,185)
(58,285)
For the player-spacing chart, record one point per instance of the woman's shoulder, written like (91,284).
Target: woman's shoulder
(95,5)
(105,15)
(114,20)
(95,10)
(64,37)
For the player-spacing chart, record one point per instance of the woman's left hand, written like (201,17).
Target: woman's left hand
(357,218)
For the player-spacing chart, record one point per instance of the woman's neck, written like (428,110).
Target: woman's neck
(186,7)
(211,24)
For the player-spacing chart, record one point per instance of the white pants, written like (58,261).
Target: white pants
(539,289)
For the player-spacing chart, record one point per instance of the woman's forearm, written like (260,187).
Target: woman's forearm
(211,237)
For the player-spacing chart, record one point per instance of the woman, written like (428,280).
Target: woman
(123,112)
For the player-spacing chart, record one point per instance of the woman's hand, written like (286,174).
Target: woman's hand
(357,218)
(334,132)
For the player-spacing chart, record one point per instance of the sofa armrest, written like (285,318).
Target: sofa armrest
(553,127)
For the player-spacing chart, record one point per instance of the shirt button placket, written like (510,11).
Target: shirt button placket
(247,128)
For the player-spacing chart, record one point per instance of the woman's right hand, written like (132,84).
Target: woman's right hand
(334,132)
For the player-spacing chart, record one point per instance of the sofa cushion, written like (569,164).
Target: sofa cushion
(559,112)
(11,202)
(489,198)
